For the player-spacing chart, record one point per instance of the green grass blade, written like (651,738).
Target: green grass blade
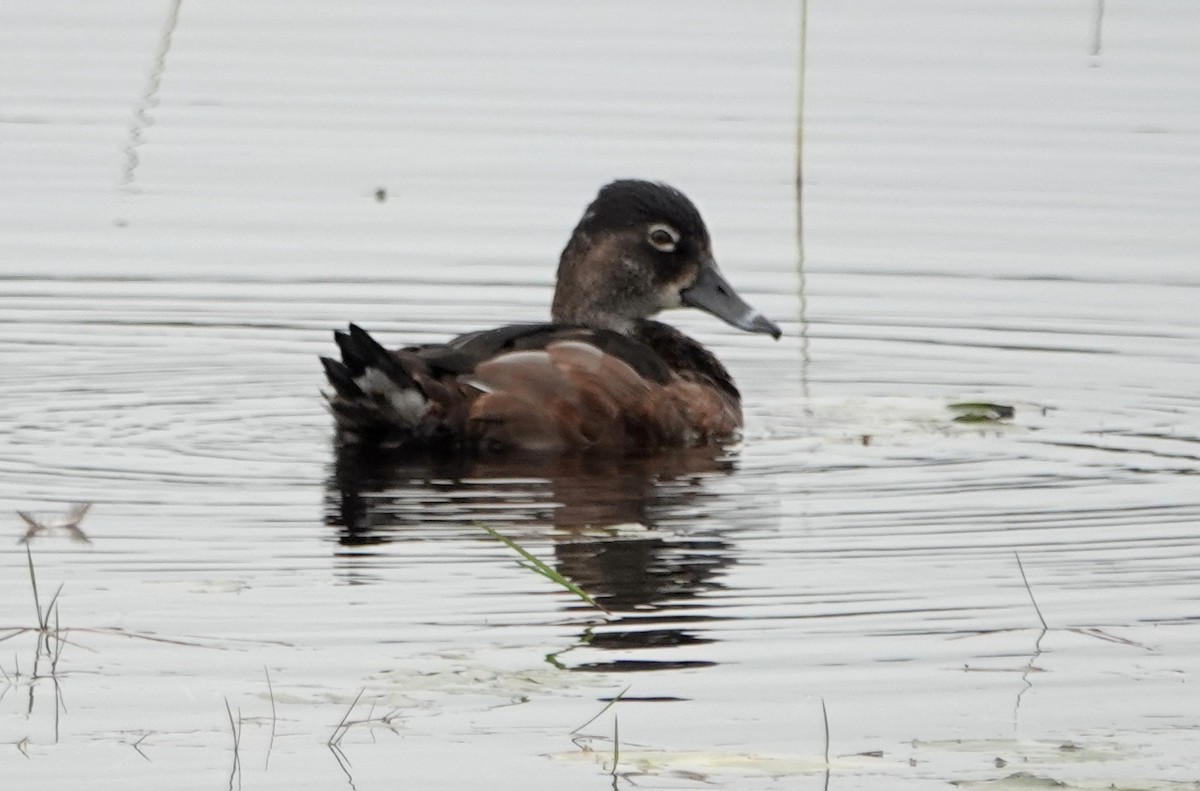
(533,563)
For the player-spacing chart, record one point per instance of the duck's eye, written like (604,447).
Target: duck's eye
(663,238)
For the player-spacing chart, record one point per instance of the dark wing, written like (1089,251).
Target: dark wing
(465,352)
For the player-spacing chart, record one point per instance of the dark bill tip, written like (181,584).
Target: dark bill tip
(713,294)
(760,323)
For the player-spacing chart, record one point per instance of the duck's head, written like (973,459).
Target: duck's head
(640,248)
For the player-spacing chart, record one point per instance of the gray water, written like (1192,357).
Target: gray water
(999,205)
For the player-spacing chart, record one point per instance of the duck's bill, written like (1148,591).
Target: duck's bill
(712,293)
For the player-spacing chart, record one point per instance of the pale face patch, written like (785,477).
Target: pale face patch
(669,297)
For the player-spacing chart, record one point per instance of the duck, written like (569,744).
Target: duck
(602,376)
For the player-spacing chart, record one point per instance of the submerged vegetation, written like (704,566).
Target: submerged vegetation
(981,412)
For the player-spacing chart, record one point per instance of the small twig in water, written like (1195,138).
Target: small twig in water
(825,716)
(52,608)
(1029,590)
(37,605)
(336,737)
(616,745)
(138,745)
(271,692)
(59,644)
(235,727)
(607,706)
(343,762)
(1111,638)
(45,633)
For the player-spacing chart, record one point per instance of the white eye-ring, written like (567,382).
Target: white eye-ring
(663,238)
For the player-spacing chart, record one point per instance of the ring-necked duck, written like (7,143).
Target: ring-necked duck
(600,376)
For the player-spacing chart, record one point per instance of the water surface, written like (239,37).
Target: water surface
(999,205)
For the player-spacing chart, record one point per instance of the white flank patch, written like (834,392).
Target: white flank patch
(477,384)
(408,404)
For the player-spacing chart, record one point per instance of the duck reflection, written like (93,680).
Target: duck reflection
(624,528)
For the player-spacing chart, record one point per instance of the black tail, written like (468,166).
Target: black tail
(374,399)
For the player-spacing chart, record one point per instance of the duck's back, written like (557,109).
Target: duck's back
(534,387)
